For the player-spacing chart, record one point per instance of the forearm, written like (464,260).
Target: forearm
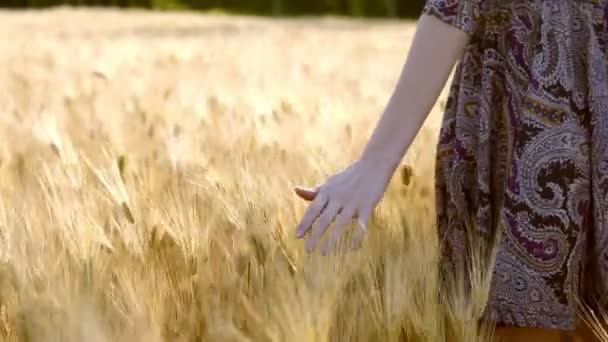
(435,50)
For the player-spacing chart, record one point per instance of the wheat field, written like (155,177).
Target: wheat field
(147,166)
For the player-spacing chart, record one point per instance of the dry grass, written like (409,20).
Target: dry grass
(146,170)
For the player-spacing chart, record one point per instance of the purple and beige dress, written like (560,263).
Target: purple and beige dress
(523,154)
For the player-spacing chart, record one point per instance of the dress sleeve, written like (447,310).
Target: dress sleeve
(462,14)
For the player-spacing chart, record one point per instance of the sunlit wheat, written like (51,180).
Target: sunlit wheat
(147,163)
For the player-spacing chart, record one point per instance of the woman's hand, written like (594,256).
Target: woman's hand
(356,191)
(352,193)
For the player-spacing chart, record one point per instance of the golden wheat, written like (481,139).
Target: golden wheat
(146,170)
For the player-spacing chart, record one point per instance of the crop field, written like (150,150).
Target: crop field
(147,167)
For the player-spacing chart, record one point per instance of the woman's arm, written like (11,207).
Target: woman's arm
(435,49)
(356,191)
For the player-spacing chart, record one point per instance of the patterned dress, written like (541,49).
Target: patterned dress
(522,159)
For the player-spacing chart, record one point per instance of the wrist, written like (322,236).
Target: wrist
(381,161)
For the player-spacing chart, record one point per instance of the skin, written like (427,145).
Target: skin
(354,192)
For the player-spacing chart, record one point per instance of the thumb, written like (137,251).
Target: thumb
(362,222)
(307,194)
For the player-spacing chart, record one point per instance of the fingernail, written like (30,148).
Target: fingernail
(326,249)
(309,246)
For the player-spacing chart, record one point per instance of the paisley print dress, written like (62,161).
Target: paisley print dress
(522,159)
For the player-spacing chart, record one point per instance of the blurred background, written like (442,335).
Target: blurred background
(367,8)
(148,153)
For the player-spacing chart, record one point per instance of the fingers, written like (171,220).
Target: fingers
(307,194)
(342,221)
(322,224)
(364,217)
(311,214)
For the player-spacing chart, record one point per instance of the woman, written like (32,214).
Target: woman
(522,154)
